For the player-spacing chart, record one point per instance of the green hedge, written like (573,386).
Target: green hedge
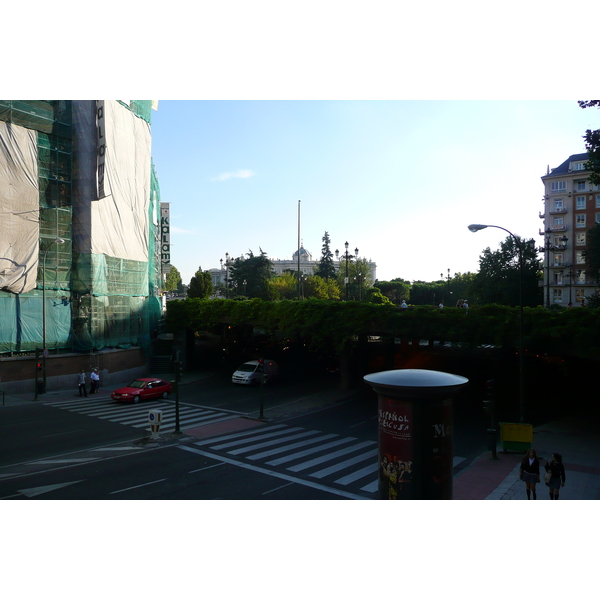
(324,323)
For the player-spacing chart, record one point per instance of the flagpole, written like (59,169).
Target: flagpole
(298,249)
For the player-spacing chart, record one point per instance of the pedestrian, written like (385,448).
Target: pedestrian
(81,383)
(441,305)
(557,469)
(404,305)
(530,472)
(95,378)
(465,305)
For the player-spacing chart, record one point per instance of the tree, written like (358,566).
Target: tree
(395,290)
(200,285)
(326,268)
(284,287)
(173,280)
(592,145)
(317,287)
(592,254)
(251,275)
(497,281)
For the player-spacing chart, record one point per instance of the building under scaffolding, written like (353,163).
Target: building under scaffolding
(79,226)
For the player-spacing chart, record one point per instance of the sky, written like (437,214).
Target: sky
(398,179)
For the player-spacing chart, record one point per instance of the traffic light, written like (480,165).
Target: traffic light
(39,366)
(490,397)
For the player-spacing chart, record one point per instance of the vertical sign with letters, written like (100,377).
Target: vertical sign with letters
(165,238)
(101,129)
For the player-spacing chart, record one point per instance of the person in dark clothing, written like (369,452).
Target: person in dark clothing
(556,467)
(530,472)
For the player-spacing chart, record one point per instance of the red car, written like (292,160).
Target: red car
(144,388)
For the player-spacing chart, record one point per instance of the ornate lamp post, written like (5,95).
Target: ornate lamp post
(44,350)
(226,274)
(348,257)
(520,245)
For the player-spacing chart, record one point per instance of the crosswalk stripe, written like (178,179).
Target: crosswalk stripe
(231,436)
(254,438)
(328,457)
(271,452)
(352,477)
(309,451)
(347,463)
(137,415)
(271,443)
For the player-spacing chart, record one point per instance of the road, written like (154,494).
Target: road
(92,449)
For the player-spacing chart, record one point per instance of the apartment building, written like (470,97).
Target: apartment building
(571,208)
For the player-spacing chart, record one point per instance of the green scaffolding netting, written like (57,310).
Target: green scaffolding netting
(91,300)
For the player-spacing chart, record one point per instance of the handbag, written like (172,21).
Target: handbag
(547,477)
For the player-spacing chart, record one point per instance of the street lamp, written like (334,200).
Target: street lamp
(547,248)
(477,227)
(44,350)
(226,274)
(348,257)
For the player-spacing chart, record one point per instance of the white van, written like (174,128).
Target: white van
(251,372)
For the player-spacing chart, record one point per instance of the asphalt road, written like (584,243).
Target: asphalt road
(91,450)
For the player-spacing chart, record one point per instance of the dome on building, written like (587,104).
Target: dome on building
(305,255)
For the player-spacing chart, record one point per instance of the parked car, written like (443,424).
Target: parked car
(251,372)
(144,388)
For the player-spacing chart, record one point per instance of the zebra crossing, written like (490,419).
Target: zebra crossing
(329,458)
(136,415)
(336,461)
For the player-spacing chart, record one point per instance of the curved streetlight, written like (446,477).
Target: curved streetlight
(44,350)
(478,227)
(226,274)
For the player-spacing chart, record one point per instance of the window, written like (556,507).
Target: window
(580,238)
(580,186)
(558,295)
(597,217)
(579,220)
(580,202)
(558,240)
(557,258)
(558,204)
(597,200)
(558,278)
(578,166)
(558,187)
(579,257)
(579,294)
(580,276)
(558,220)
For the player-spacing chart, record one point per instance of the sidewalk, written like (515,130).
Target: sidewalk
(574,437)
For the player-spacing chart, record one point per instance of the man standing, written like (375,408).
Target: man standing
(81,382)
(95,381)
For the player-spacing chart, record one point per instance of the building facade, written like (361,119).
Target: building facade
(571,208)
(79,228)
(306,265)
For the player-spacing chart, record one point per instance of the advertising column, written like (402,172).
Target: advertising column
(415,433)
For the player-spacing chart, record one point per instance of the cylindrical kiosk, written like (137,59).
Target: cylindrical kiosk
(415,433)
(155,418)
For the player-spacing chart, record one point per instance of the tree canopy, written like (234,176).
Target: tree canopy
(592,145)
(200,285)
(173,280)
(497,281)
(251,275)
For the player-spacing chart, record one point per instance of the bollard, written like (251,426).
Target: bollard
(155,418)
(415,452)
(492,443)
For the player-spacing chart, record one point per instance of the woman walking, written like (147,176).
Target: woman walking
(555,466)
(530,472)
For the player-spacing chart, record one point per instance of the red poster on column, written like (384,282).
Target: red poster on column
(396,451)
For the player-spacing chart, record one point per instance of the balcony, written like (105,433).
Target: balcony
(558,211)
(558,227)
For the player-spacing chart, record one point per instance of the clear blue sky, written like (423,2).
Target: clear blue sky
(400,180)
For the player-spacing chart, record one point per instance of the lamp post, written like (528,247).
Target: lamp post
(348,257)
(477,227)
(359,279)
(226,274)
(44,350)
(547,248)
(570,273)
